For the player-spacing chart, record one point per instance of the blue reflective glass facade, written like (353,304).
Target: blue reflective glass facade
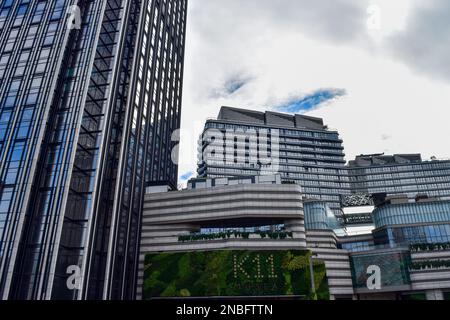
(413,235)
(356,246)
(86,119)
(412,213)
(409,223)
(319,216)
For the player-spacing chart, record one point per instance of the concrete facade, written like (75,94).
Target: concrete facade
(169,215)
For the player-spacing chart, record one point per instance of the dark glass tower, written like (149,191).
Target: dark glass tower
(304,150)
(89,99)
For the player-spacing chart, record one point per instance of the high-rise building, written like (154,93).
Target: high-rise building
(400,174)
(301,148)
(90,95)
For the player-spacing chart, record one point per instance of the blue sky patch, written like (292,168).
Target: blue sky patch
(186,176)
(311,101)
(233,85)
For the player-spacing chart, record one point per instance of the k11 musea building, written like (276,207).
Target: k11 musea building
(245,233)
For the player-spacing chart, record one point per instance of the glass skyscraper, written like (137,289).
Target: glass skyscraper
(300,148)
(90,95)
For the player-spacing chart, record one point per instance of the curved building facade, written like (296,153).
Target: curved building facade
(255,213)
(411,223)
(412,213)
(319,216)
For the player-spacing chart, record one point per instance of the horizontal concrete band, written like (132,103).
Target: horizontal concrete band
(430,275)
(225,213)
(204,195)
(229,245)
(282,197)
(291,210)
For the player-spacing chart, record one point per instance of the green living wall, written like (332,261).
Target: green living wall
(233,273)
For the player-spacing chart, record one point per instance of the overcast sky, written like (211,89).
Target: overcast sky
(377,71)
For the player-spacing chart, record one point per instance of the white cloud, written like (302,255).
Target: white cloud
(289,48)
(425,44)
